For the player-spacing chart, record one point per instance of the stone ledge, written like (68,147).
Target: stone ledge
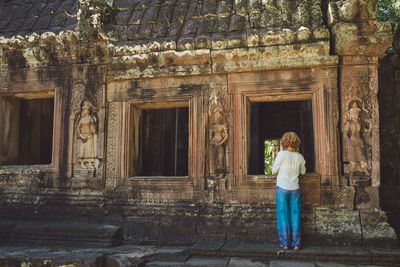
(187,223)
(340,254)
(220,41)
(5,230)
(66,233)
(207,62)
(186,256)
(164,58)
(171,254)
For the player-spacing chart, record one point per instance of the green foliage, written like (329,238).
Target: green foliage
(93,14)
(389,10)
(271,149)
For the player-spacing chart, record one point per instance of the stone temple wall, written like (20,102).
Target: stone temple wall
(105,66)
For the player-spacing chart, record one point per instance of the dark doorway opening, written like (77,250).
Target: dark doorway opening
(27,133)
(164,142)
(268,122)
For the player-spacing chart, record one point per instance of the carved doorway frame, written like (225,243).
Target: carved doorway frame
(274,86)
(56,94)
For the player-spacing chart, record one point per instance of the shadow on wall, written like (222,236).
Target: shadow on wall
(389,112)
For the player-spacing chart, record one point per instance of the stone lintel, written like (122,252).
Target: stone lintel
(205,61)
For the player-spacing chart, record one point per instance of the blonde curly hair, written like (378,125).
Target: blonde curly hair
(290,139)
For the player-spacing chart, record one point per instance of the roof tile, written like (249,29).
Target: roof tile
(193,22)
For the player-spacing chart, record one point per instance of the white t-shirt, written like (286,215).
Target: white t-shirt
(289,165)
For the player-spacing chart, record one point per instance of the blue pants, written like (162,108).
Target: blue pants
(288,216)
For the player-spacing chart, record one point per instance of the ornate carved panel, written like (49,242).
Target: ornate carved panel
(292,85)
(360,123)
(126,146)
(218,165)
(86,158)
(114,123)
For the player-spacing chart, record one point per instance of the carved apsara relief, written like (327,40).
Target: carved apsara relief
(356,130)
(87,135)
(218,135)
(359,85)
(88,160)
(218,131)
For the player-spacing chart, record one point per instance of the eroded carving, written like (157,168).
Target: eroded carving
(218,131)
(113,133)
(78,94)
(87,141)
(354,142)
(351,10)
(218,137)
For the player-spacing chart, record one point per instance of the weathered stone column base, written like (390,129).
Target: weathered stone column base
(376,229)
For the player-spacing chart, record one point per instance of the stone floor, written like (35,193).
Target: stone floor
(200,254)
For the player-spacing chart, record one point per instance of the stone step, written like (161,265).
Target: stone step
(240,262)
(192,262)
(45,257)
(171,254)
(164,264)
(251,255)
(272,251)
(65,233)
(5,230)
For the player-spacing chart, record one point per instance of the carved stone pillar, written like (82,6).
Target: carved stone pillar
(114,132)
(360,120)
(360,40)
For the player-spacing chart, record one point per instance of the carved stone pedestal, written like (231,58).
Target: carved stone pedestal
(84,173)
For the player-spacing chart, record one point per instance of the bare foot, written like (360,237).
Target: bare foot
(296,248)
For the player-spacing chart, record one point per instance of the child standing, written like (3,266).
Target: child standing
(288,164)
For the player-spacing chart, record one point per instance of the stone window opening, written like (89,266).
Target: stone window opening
(159,140)
(26,132)
(268,122)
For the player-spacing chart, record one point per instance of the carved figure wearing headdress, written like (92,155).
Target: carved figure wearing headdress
(87,137)
(352,129)
(353,138)
(218,137)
